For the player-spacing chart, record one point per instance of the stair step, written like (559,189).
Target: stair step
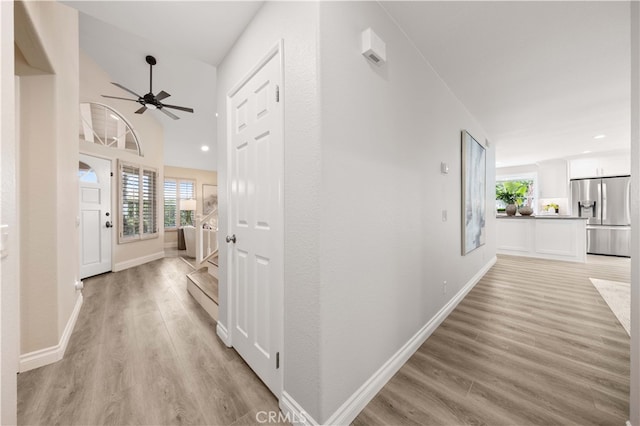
(207,283)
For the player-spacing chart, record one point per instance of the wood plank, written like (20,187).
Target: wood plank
(534,343)
(143,352)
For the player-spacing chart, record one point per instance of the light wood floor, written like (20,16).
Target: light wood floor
(532,344)
(143,352)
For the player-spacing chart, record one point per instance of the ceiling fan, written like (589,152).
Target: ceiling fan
(151,101)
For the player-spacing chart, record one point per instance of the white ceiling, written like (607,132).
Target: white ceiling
(202,30)
(543,78)
(187,39)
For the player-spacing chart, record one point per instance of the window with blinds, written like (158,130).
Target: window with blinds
(138,202)
(170,203)
(176,192)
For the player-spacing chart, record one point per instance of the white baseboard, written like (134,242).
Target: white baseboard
(223,334)
(52,354)
(173,244)
(361,397)
(121,266)
(293,412)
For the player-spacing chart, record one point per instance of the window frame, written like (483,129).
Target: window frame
(87,127)
(178,218)
(532,176)
(140,235)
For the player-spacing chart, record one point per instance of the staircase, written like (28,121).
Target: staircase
(202,284)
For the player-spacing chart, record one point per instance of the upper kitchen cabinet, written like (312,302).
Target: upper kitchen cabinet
(552,179)
(610,165)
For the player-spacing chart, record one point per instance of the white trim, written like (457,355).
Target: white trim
(350,409)
(223,334)
(276,49)
(121,266)
(293,412)
(203,300)
(52,354)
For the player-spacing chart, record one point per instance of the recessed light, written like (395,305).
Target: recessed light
(204,148)
(600,136)
(586,152)
(216,114)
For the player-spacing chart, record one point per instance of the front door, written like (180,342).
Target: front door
(256,219)
(96,220)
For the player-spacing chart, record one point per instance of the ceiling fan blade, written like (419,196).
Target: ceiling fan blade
(124,88)
(178,107)
(141,110)
(162,95)
(170,114)
(115,97)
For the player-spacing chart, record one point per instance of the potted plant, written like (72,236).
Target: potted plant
(512,193)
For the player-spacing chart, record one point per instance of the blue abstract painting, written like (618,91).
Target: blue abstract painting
(474,187)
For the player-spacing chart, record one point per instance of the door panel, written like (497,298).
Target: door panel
(255,178)
(610,240)
(585,199)
(616,209)
(95,211)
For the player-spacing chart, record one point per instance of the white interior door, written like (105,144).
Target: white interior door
(96,221)
(255,214)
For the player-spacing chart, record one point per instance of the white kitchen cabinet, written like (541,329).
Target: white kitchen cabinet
(618,165)
(545,237)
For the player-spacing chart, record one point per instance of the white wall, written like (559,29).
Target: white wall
(385,250)
(634,399)
(48,170)
(93,83)
(295,23)
(366,250)
(9,288)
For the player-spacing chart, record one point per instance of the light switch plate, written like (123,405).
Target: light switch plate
(444,168)
(4,241)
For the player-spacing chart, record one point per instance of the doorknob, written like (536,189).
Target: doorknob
(108,224)
(231,238)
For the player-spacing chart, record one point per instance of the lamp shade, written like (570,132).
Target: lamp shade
(188,204)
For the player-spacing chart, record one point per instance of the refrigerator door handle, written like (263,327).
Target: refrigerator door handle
(602,195)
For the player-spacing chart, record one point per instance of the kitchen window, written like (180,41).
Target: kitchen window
(178,194)
(138,212)
(524,184)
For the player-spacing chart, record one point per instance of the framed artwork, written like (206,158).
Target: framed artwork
(474,189)
(209,198)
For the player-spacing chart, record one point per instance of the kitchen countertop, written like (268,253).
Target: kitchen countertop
(543,216)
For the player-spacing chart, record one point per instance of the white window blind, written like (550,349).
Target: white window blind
(170,203)
(138,202)
(175,191)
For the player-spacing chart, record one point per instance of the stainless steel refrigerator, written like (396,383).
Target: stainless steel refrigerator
(605,201)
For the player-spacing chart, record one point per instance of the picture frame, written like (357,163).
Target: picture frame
(209,198)
(474,193)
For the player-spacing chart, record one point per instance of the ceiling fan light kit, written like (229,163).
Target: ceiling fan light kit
(151,101)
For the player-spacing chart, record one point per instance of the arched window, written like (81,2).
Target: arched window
(103,125)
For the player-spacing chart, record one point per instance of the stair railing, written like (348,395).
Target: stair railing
(206,237)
